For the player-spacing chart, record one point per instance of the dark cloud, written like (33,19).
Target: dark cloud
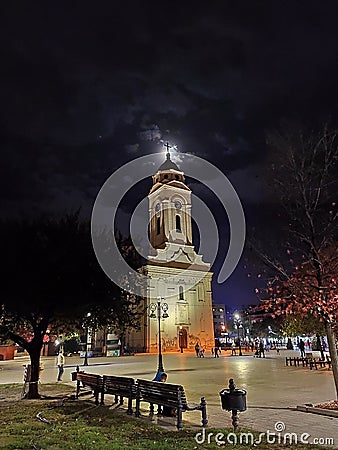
(84,88)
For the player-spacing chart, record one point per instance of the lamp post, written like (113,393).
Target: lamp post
(85,362)
(159,310)
(238,324)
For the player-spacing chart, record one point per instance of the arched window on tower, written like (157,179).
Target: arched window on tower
(158,225)
(180,291)
(178,223)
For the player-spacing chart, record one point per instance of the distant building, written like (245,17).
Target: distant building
(219,317)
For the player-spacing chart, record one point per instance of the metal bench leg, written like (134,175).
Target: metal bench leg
(77,389)
(204,412)
(130,406)
(137,412)
(179,418)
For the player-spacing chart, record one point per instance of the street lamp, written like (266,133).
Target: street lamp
(238,324)
(159,310)
(85,362)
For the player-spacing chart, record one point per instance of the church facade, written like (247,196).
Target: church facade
(177,275)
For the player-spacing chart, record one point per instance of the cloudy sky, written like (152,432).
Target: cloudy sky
(86,87)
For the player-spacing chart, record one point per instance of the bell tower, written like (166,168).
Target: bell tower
(169,206)
(175,272)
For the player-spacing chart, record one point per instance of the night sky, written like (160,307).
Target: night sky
(87,88)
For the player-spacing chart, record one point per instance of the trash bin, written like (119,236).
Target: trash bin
(233,400)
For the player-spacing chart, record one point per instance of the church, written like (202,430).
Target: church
(177,275)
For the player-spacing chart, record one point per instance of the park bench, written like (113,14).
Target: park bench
(167,395)
(308,361)
(296,361)
(322,363)
(94,382)
(119,387)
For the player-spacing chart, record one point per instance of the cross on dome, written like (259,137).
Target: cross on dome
(167,145)
(168,163)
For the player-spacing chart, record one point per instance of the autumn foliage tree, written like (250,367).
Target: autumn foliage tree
(303,172)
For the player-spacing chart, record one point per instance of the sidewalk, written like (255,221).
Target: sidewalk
(273,390)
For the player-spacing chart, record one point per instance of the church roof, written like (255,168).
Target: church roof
(168,164)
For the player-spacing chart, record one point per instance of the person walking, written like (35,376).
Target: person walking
(233,349)
(197,349)
(261,348)
(60,363)
(301,347)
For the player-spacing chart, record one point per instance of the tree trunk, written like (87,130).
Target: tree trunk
(333,353)
(33,390)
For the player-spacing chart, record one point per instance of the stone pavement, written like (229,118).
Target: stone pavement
(273,389)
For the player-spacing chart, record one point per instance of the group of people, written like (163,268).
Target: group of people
(258,347)
(199,350)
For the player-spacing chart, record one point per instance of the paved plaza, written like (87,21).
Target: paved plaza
(272,388)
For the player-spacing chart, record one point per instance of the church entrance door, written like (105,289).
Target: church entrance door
(182,338)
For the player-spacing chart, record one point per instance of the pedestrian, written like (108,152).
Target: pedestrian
(261,349)
(301,347)
(233,349)
(197,349)
(60,361)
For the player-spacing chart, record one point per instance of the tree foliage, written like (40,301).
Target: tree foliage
(51,278)
(304,175)
(295,325)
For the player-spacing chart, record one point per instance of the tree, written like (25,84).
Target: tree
(304,176)
(51,279)
(295,325)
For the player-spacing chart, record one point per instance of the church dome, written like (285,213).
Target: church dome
(168,164)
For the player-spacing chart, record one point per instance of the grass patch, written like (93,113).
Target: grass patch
(82,425)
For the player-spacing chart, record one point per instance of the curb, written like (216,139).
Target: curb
(319,411)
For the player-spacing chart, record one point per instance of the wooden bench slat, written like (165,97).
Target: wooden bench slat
(95,382)
(120,387)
